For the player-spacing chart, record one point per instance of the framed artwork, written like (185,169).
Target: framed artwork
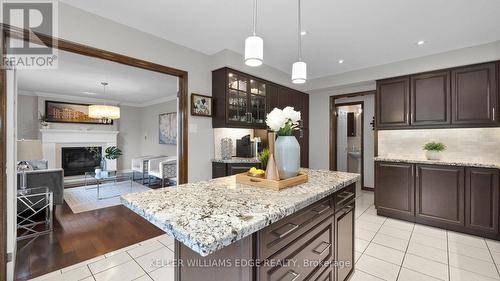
(67,112)
(168,128)
(201,105)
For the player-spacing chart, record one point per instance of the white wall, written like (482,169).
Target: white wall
(27,117)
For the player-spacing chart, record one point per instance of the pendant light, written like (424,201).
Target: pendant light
(299,68)
(106,113)
(254,45)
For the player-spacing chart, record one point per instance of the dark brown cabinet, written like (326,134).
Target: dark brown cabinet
(430,99)
(229,169)
(344,246)
(393,102)
(243,101)
(474,90)
(439,194)
(465,96)
(481,199)
(240,100)
(464,199)
(394,188)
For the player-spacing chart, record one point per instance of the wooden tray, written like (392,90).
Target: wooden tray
(244,178)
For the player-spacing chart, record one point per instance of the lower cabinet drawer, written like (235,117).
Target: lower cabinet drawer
(303,258)
(279,234)
(326,275)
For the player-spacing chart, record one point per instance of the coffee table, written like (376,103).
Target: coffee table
(112,177)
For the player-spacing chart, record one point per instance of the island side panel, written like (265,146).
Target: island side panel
(191,266)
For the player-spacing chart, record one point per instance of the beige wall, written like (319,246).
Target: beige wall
(472,144)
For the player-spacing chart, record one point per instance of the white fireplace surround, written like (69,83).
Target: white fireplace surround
(54,140)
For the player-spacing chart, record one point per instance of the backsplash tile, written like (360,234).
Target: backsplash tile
(475,144)
(234,134)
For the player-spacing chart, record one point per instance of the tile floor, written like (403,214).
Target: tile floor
(385,249)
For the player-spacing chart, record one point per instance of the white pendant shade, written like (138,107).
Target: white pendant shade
(254,51)
(299,72)
(104,111)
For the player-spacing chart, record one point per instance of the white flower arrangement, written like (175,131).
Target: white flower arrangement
(283,122)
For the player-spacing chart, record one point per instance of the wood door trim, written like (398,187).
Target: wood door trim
(62,44)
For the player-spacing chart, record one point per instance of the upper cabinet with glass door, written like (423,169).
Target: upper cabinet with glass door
(240,100)
(257,101)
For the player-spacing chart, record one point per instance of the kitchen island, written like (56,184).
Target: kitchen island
(229,231)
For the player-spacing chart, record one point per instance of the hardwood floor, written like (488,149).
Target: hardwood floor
(79,237)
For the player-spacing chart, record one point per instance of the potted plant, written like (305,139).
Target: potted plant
(111,153)
(287,149)
(433,150)
(264,157)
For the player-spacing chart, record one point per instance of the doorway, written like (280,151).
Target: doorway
(349,139)
(117,216)
(352,138)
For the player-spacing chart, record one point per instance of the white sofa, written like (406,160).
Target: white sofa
(164,168)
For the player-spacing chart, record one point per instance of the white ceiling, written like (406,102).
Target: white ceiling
(363,33)
(81,76)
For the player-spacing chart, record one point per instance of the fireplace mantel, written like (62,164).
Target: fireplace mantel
(53,140)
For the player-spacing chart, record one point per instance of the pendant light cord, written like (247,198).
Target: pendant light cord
(254,16)
(298,32)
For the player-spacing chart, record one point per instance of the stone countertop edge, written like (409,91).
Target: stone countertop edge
(445,162)
(205,249)
(236,160)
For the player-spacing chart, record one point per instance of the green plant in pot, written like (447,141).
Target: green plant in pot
(433,150)
(264,157)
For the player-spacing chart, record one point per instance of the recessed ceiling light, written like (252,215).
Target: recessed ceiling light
(303,32)
(341,61)
(420,42)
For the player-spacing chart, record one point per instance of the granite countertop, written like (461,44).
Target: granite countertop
(448,162)
(236,160)
(209,215)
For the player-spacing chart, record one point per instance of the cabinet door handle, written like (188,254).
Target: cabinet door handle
(281,235)
(322,210)
(326,247)
(494,117)
(291,273)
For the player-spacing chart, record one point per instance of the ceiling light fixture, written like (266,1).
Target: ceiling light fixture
(254,45)
(341,61)
(303,32)
(106,113)
(299,68)
(420,42)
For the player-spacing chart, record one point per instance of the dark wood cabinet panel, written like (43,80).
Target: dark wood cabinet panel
(481,199)
(394,188)
(474,94)
(344,246)
(393,102)
(440,194)
(272,97)
(229,169)
(219,170)
(430,99)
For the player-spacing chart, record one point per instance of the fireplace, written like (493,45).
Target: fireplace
(78,160)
